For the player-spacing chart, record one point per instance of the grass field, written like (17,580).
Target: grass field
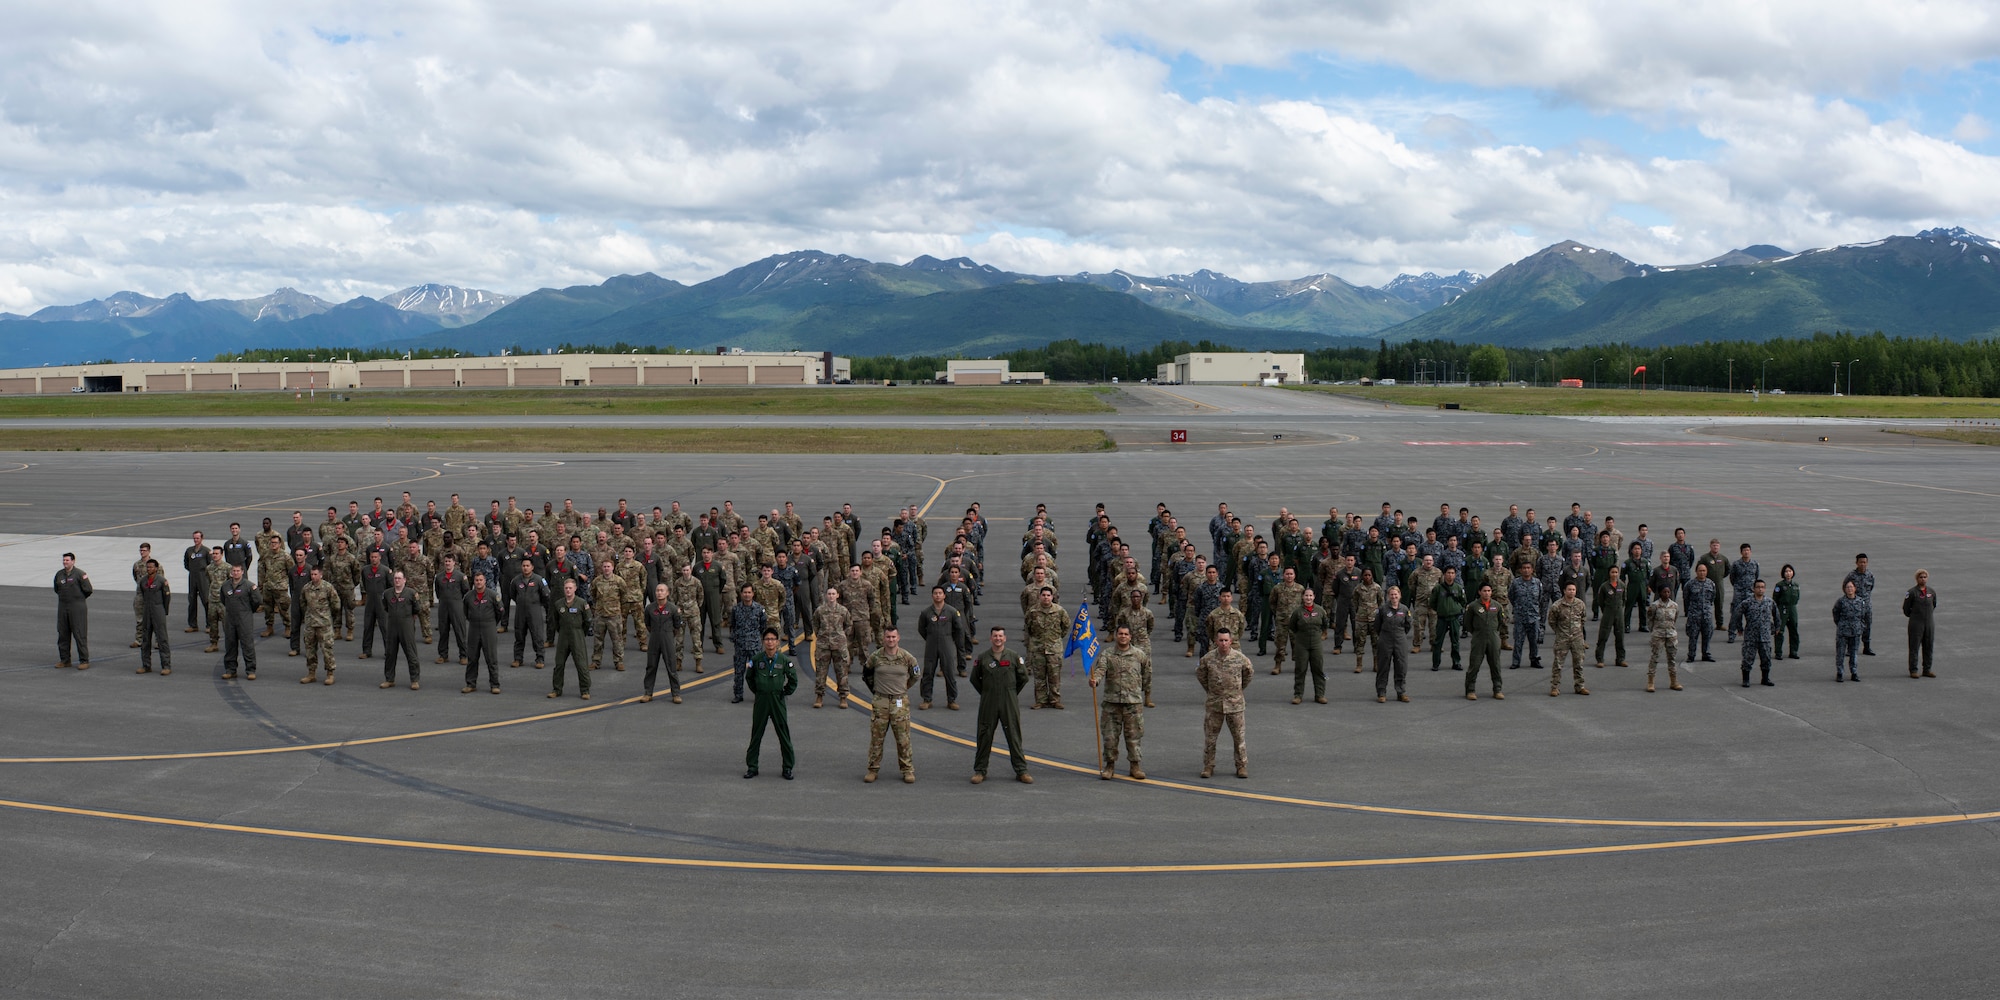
(1619,402)
(515,440)
(1967,436)
(915,400)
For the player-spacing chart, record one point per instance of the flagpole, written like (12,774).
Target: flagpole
(1096,729)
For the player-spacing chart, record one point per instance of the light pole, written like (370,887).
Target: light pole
(1544,364)
(1732,376)
(1764,376)
(1836,378)
(1850,375)
(1663,370)
(1593,372)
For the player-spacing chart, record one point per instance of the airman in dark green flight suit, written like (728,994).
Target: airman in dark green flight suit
(771,680)
(999,674)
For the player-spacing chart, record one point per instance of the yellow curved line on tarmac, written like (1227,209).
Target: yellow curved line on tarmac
(344,744)
(914,869)
(434,474)
(1287,800)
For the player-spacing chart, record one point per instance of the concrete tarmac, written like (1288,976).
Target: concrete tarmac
(1806,839)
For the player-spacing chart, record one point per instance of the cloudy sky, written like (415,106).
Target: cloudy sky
(227,148)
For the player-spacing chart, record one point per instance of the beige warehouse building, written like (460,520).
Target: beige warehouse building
(788,368)
(1237,368)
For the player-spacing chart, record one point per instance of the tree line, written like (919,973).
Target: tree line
(1875,364)
(1867,364)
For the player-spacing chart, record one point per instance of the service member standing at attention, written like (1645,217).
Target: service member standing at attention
(607,607)
(1755,616)
(889,674)
(530,601)
(1446,606)
(943,631)
(319,610)
(375,581)
(218,574)
(450,587)
(239,598)
(1864,588)
(399,631)
(663,624)
(831,656)
(1612,597)
(1785,598)
(772,679)
(1307,625)
(572,616)
(483,617)
(747,622)
(138,599)
(73,589)
(1850,620)
(1663,616)
(195,559)
(998,674)
(156,601)
(1700,612)
(1566,623)
(1223,674)
(1120,672)
(1048,626)
(1481,619)
(1393,628)
(1920,607)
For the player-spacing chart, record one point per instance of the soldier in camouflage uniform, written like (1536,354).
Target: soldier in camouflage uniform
(1663,617)
(1223,674)
(633,572)
(273,566)
(1226,616)
(1204,594)
(608,599)
(1524,596)
(1566,622)
(831,655)
(686,592)
(1701,612)
(1367,599)
(417,577)
(1048,628)
(218,574)
(888,675)
(1137,617)
(769,593)
(1423,584)
(319,604)
(343,570)
(1757,616)
(1286,598)
(1120,671)
(1744,575)
(747,622)
(857,595)
(1502,582)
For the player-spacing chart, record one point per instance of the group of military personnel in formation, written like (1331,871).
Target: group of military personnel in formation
(1395,585)
(758,590)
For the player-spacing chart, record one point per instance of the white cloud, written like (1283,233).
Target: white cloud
(1972,128)
(348,148)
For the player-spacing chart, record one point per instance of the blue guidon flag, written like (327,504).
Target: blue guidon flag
(1082,637)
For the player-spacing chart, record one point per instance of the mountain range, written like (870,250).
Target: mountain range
(1940,281)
